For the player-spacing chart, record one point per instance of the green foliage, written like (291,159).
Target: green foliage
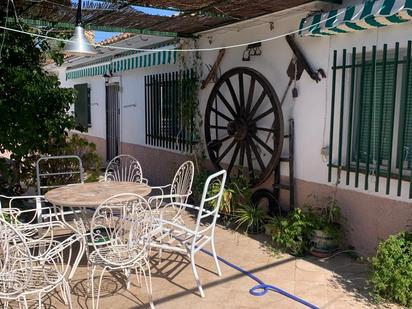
(198,184)
(33,107)
(391,269)
(293,231)
(227,199)
(73,145)
(250,217)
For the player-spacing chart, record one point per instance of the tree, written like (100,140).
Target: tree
(33,108)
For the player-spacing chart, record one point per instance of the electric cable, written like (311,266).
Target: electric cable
(179,50)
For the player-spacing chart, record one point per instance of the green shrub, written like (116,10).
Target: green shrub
(292,232)
(391,269)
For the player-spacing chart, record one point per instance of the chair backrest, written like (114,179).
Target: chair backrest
(206,219)
(56,171)
(15,262)
(123,222)
(124,168)
(23,209)
(182,182)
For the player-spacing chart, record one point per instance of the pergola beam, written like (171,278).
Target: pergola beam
(70,26)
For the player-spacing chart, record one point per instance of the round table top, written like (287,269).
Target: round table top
(92,194)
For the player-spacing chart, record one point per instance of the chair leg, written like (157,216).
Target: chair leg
(219,272)
(63,293)
(160,255)
(127,273)
(138,272)
(78,259)
(24,299)
(39,301)
(92,286)
(199,286)
(98,288)
(68,294)
(148,282)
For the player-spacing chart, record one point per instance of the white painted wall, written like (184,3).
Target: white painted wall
(311,109)
(132,101)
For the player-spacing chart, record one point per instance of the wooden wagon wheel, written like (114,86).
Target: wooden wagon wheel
(244,127)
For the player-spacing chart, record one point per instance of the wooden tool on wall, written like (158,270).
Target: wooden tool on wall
(214,69)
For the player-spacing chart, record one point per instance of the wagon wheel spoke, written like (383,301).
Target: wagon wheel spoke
(232,161)
(221,114)
(220,158)
(241,94)
(226,103)
(250,96)
(233,94)
(261,116)
(257,155)
(241,158)
(257,104)
(218,127)
(271,130)
(262,143)
(250,162)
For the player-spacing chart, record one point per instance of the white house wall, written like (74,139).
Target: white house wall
(371,216)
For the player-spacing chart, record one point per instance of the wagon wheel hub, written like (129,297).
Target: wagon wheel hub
(240,129)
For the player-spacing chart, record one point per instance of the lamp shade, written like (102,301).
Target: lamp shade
(78,45)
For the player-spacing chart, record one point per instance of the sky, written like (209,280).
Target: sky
(101,35)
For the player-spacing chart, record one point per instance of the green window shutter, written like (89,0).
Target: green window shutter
(408,121)
(82,106)
(387,113)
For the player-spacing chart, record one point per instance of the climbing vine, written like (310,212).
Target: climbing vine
(189,106)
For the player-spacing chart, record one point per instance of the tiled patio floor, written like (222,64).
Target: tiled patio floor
(336,283)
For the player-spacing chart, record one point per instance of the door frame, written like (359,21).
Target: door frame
(113,81)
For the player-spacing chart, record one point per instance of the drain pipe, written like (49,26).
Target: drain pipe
(262,288)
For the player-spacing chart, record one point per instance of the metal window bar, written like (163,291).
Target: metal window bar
(164,96)
(367,118)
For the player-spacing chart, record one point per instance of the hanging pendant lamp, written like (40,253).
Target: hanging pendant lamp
(78,45)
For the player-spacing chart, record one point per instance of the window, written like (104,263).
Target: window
(82,109)
(371,123)
(170,100)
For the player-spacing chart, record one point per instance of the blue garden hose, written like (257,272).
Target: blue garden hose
(262,288)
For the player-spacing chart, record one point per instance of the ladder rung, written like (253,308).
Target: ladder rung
(284,159)
(282,186)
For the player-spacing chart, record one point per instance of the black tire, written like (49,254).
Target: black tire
(262,194)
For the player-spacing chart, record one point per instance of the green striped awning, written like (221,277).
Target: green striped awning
(368,15)
(130,62)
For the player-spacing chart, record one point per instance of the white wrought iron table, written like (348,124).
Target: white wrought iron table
(86,196)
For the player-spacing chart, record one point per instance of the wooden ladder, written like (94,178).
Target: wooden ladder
(290,185)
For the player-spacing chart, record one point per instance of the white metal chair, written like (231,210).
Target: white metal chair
(124,168)
(181,238)
(125,228)
(12,211)
(54,172)
(32,267)
(177,192)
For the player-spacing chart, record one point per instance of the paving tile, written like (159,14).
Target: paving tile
(332,283)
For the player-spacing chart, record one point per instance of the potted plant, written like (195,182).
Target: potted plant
(327,232)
